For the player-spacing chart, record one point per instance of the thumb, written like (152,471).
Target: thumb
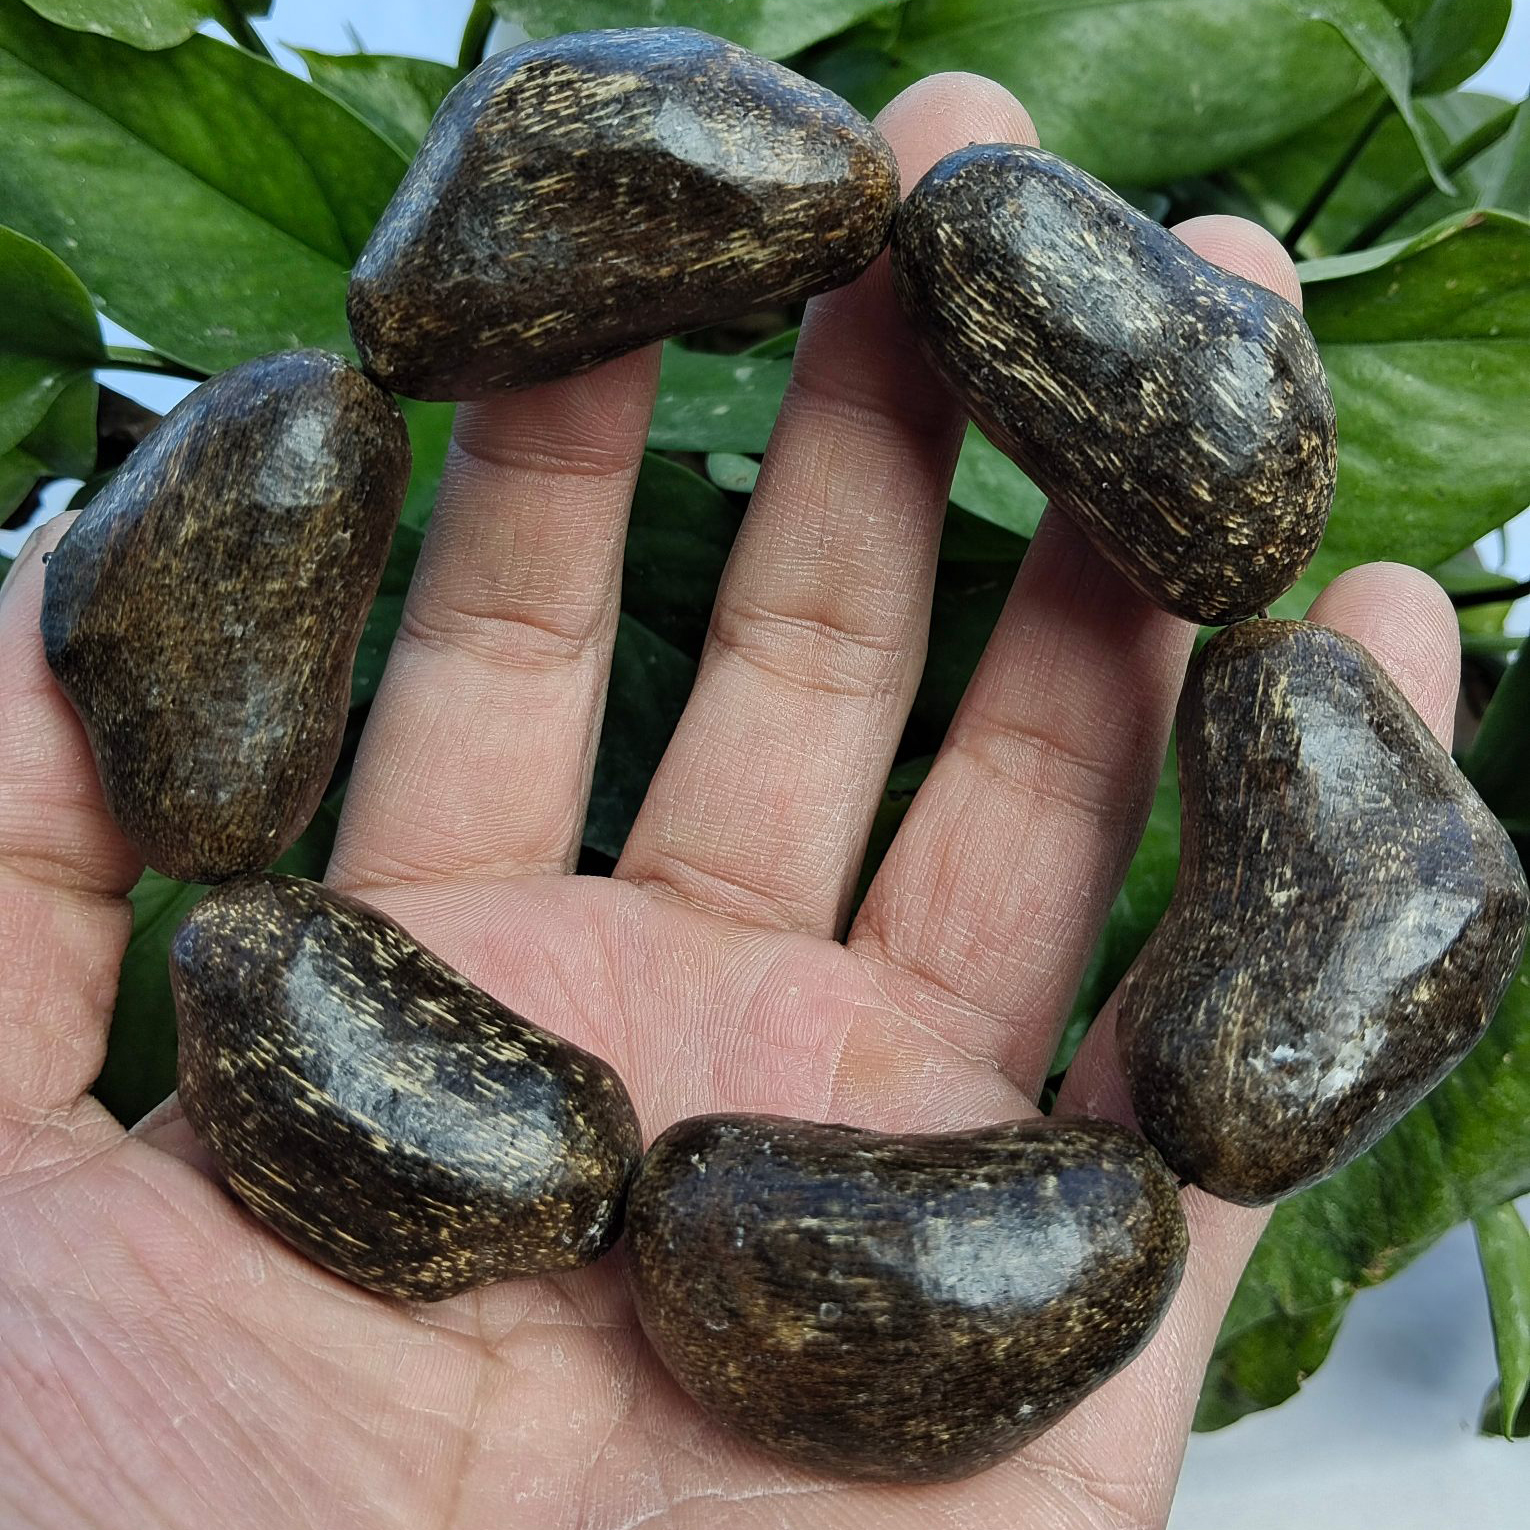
(65,870)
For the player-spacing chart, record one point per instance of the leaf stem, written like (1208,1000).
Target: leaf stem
(1502,594)
(1330,182)
(475,35)
(130,358)
(242,30)
(1405,201)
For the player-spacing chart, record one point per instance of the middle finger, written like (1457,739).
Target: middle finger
(761,806)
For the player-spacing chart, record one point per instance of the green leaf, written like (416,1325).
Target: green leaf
(1493,1420)
(680,534)
(144,23)
(773,28)
(967,601)
(387,611)
(1505,177)
(989,485)
(430,437)
(211,201)
(650,683)
(1375,35)
(1503,1244)
(714,403)
(398,96)
(139,1070)
(719,404)
(1464,1148)
(1452,39)
(1499,761)
(49,336)
(1283,178)
(1134,915)
(1143,91)
(1427,346)
(733,471)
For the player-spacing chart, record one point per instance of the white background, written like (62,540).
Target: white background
(1385,1434)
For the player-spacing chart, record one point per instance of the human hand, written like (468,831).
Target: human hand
(167,1362)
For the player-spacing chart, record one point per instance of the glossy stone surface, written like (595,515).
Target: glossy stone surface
(203,613)
(1347,916)
(381,1113)
(577,198)
(899,1308)
(1178,413)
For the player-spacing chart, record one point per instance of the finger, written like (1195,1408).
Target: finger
(998,883)
(1405,620)
(762,804)
(64,920)
(481,743)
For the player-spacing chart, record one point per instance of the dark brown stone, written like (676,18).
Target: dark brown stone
(900,1308)
(578,198)
(1178,413)
(203,613)
(1347,917)
(381,1113)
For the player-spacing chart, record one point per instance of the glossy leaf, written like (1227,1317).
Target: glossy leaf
(387,610)
(1134,915)
(1463,1149)
(714,403)
(650,682)
(772,28)
(1427,345)
(989,485)
(1143,91)
(681,531)
(1499,761)
(211,201)
(733,471)
(1451,39)
(398,96)
(1503,1244)
(49,335)
(430,436)
(967,601)
(720,404)
(1282,179)
(144,23)
(1375,34)
(61,445)
(1505,178)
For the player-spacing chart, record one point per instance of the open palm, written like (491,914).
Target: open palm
(166,1362)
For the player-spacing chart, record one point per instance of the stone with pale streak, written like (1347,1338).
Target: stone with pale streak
(1178,413)
(391,1120)
(577,198)
(900,1308)
(1347,916)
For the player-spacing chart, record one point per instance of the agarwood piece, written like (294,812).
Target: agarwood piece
(203,613)
(1178,413)
(899,1308)
(577,198)
(1347,916)
(379,1111)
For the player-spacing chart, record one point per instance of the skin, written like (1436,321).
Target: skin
(169,1363)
